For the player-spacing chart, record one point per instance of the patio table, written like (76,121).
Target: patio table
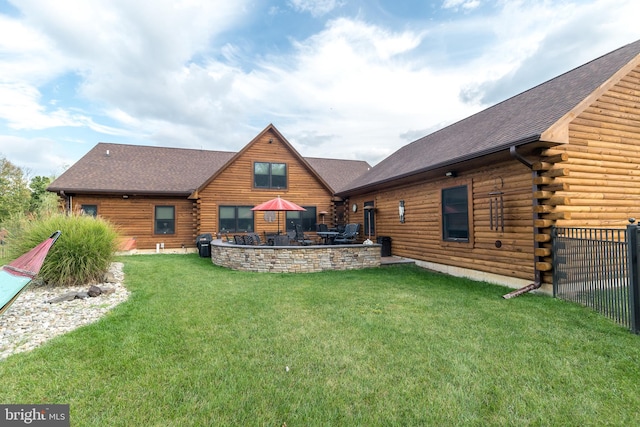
(328,236)
(281,240)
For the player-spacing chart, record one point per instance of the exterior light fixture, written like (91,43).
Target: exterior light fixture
(450,174)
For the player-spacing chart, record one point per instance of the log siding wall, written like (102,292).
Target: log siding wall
(420,236)
(134,217)
(604,159)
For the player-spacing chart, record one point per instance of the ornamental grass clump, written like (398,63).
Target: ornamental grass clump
(80,256)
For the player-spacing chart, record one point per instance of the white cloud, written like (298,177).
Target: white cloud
(348,83)
(35,156)
(159,72)
(316,7)
(464,4)
(131,55)
(26,53)
(539,41)
(20,107)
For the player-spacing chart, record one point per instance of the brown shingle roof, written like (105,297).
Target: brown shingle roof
(338,173)
(140,169)
(520,119)
(136,169)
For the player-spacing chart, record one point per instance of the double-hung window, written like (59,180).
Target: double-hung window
(455,214)
(235,219)
(165,220)
(269,175)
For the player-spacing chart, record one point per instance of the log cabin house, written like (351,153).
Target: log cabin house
(169,196)
(479,197)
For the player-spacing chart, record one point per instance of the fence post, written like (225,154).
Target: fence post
(554,257)
(634,277)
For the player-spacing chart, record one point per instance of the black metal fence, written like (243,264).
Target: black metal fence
(598,268)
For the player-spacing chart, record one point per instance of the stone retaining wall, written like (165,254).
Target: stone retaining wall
(294,259)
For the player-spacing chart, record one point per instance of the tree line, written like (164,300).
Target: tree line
(19,195)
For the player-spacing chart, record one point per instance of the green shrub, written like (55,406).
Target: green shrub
(80,256)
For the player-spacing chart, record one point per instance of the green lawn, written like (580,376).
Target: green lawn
(198,345)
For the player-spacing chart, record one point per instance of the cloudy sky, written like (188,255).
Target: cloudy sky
(353,79)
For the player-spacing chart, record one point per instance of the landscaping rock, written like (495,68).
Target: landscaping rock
(32,319)
(94,291)
(109,277)
(68,296)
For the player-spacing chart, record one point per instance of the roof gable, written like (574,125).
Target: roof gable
(270,129)
(540,112)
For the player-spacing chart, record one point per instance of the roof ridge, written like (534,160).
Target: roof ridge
(156,147)
(334,159)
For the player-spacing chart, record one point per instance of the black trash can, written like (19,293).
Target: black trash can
(203,242)
(385,241)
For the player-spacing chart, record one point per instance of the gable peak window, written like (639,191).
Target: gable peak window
(269,175)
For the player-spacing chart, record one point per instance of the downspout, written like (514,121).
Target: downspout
(538,274)
(67,201)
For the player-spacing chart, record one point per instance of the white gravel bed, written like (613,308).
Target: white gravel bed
(31,320)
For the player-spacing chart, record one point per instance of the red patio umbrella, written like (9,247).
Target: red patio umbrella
(278,204)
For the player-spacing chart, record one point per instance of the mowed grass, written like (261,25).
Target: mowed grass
(198,345)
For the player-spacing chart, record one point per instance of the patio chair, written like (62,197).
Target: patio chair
(256,240)
(323,227)
(238,239)
(248,239)
(269,238)
(301,238)
(349,235)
